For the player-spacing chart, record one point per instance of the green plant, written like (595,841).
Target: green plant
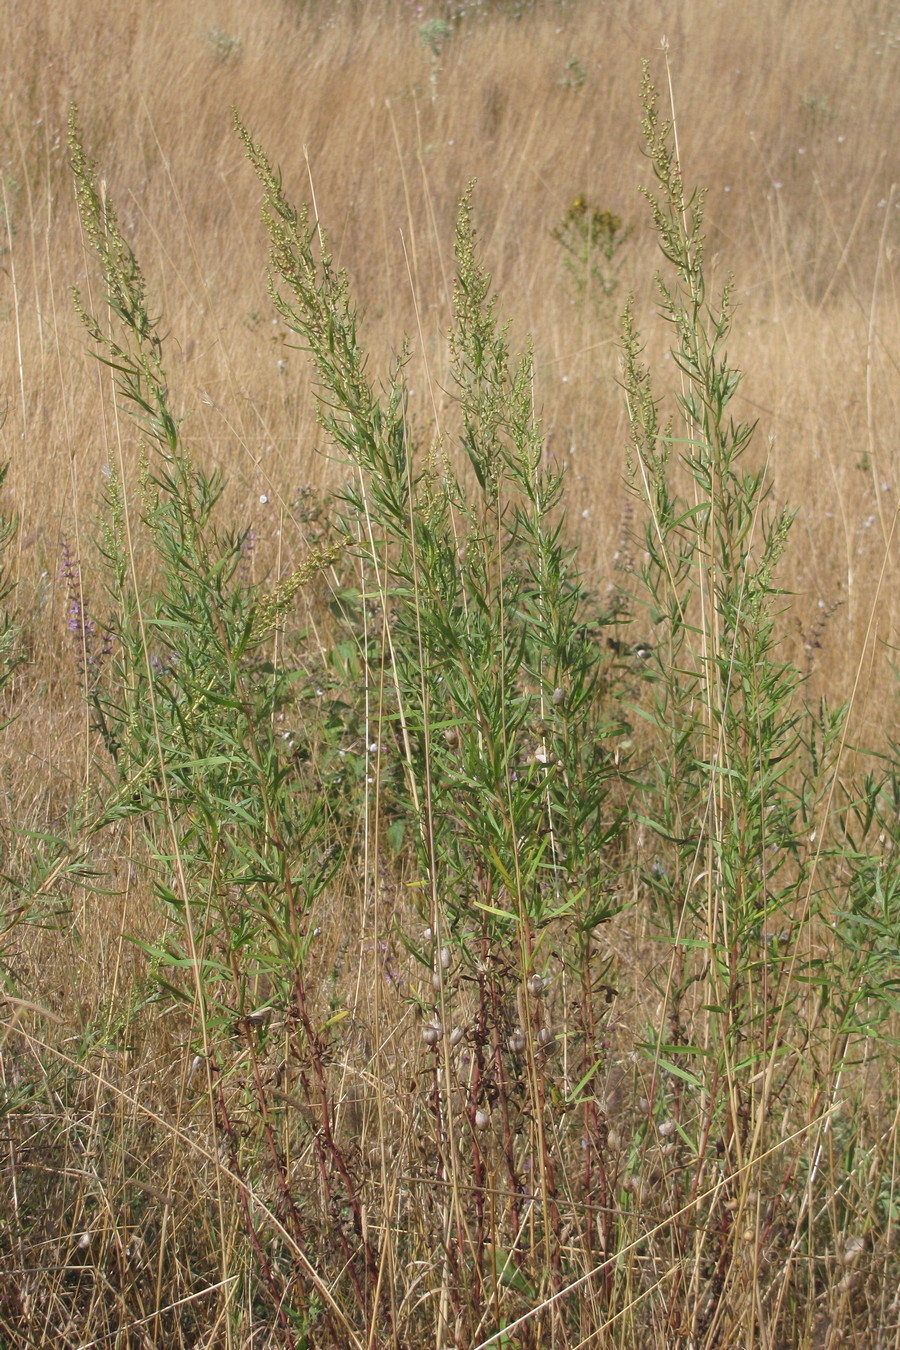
(757,1001)
(188,717)
(36,866)
(592,241)
(508,983)
(575,75)
(481,679)
(225,47)
(433,34)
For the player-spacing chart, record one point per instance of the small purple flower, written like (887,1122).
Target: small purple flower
(91,648)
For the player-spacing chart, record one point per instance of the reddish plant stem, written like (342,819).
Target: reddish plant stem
(262,1260)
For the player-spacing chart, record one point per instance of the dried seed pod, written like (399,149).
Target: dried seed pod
(558,697)
(261,1017)
(446,958)
(853,1249)
(456,1036)
(451,738)
(546,1040)
(667,1128)
(517,1041)
(433,1032)
(437,979)
(427,935)
(535,985)
(482,1119)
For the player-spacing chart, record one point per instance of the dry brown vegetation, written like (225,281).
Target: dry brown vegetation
(120,1201)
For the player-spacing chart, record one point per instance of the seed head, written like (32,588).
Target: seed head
(853,1249)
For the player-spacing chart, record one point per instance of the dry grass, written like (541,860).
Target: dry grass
(787,109)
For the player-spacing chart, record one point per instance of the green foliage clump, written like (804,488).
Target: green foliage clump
(526,995)
(592,241)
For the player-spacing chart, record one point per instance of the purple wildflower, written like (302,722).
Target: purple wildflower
(91,647)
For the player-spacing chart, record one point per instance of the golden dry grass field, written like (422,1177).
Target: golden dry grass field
(131,1217)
